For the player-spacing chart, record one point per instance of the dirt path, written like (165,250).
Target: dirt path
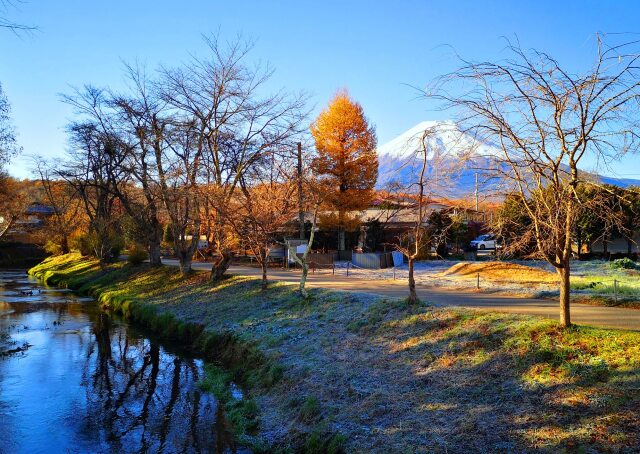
(608,317)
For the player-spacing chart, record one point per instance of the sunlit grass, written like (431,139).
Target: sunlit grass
(628,283)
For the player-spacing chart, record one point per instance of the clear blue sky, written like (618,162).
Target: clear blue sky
(373,48)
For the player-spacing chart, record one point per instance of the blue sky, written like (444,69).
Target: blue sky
(376,49)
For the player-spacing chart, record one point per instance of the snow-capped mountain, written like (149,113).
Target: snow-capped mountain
(456,157)
(443,136)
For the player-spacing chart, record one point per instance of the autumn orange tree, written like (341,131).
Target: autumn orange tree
(15,197)
(260,211)
(67,219)
(347,159)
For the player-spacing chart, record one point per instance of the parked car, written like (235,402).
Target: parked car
(486,241)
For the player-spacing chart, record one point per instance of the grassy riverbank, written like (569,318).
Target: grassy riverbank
(387,378)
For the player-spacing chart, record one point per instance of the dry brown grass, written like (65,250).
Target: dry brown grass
(502,272)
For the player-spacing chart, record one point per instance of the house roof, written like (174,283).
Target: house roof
(39,208)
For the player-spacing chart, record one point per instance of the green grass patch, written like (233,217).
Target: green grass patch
(241,412)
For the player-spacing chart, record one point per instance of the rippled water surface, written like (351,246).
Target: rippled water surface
(73,379)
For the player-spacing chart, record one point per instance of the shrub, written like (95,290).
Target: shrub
(52,248)
(137,254)
(117,245)
(623,264)
(88,243)
(82,244)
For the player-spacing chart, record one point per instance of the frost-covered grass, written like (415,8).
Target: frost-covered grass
(592,281)
(392,378)
(434,273)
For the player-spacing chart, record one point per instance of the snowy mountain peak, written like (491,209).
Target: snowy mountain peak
(442,136)
(465,157)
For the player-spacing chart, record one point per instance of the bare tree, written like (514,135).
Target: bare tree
(7,23)
(12,196)
(178,171)
(142,121)
(316,192)
(430,169)
(8,144)
(165,163)
(546,121)
(233,125)
(96,166)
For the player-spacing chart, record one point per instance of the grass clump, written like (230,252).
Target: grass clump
(320,443)
(216,381)
(310,409)
(623,264)
(241,412)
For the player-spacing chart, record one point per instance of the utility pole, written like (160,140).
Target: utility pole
(476,192)
(300,194)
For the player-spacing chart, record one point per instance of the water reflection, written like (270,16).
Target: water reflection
(87,382)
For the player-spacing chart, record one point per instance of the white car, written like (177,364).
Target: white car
(487,241)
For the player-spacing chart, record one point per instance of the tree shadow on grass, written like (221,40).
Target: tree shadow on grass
(476,391)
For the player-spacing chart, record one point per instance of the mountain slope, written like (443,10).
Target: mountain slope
(455,159)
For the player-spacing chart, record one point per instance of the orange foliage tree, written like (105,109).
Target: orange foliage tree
(68,219)
(15,197)
(259,213)
(347,158)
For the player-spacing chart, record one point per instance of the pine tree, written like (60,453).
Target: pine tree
(347,158)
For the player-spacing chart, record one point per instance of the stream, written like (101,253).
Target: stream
(75,379)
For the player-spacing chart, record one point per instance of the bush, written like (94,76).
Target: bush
(82,244)
(117,245)
(623,264)
(88,243)
(52,248)
(137,254)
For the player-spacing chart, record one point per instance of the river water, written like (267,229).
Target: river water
(74,379)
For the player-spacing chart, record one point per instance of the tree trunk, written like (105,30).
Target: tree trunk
(263,265)
(341,239)
(154,242)
(565,287)
(64,246)
(579,246)
(220,266)
(154,253)
(413,296)
(185,263)
(303,279)
(303,262)
(8,226)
